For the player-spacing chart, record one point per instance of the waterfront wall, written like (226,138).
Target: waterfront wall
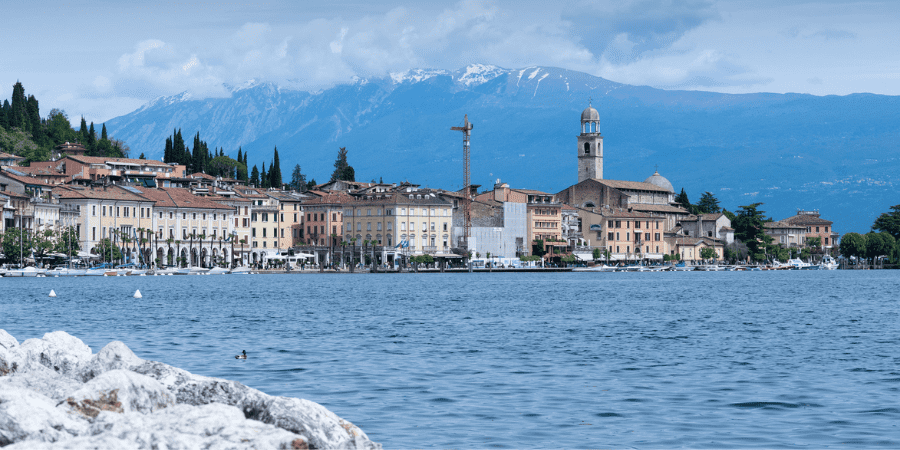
(56,393)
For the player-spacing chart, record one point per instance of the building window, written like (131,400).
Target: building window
(618,237)
(378,226)
(390,226)
(637,224)
(656,237)
(368,226)
(445,226)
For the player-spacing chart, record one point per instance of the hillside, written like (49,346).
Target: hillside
(837,154)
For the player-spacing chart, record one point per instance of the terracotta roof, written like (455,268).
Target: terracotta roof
(806,219)
(4,155)
(202,175)
(659,208)
(109,193)
(631,185)
(532,192)
(180,198)
(104,160)
(330,198)
(25,179)
(781,224)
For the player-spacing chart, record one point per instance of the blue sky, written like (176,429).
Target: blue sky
(102,59)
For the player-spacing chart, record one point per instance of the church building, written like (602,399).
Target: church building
(603,203)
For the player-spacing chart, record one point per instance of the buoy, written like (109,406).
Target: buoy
(137,294)
(52,293)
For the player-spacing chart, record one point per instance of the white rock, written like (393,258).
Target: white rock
(58,350)
(127,402)
(7,341)
(28,415)
(42,380)
(191,427)
(115,355)
(120,391)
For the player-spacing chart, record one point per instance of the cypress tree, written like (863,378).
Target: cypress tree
(83,131)
(275,171)
(167,153)
(263,177)
(240,159)
(34,120)
(254,176)
(4,114)
(103,136)
(19,108)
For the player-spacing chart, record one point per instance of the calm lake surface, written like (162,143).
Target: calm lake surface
(806,359)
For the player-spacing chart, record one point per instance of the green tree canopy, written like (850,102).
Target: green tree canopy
(889,222)
(879,244)
(853,244)
(708,203)
(682,200)
(708,253)
(298,180)
(342,169)
(749,229)
(275,171)
(254,176)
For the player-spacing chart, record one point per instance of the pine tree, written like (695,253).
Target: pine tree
(342,170)
(142,156)
(275,171)
(682,200)
(254,176)
(298,180)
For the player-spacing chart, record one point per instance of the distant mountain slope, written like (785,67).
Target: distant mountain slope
(838,154)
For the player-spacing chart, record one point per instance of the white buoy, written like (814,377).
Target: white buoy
(52,293)
(137,294)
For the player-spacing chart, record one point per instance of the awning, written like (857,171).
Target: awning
(584,256)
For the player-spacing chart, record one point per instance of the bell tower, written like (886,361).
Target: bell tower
(590,146)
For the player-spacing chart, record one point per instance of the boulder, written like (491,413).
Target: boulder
(58,350)
(56,394)
(120,391)
(29,416)
(115,355)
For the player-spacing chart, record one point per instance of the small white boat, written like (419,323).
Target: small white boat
(64,272)
(242,270)
(797,264)
(217,271)
(600,268)
(29,271)
(138,272)
(828,263)
(710,268)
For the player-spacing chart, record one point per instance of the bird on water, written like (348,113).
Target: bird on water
(243,355)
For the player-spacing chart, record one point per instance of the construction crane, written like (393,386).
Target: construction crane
(467,182)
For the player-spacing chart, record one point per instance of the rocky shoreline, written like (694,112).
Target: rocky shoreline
(55,393)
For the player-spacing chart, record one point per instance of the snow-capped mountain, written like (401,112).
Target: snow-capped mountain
(838,154)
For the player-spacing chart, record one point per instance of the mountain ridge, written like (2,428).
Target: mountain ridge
(838,154)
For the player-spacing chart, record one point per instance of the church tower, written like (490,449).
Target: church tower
(590,146)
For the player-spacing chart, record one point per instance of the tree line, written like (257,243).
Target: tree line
(23,132)
(216,163)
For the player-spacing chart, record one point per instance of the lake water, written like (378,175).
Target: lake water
(506,360)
